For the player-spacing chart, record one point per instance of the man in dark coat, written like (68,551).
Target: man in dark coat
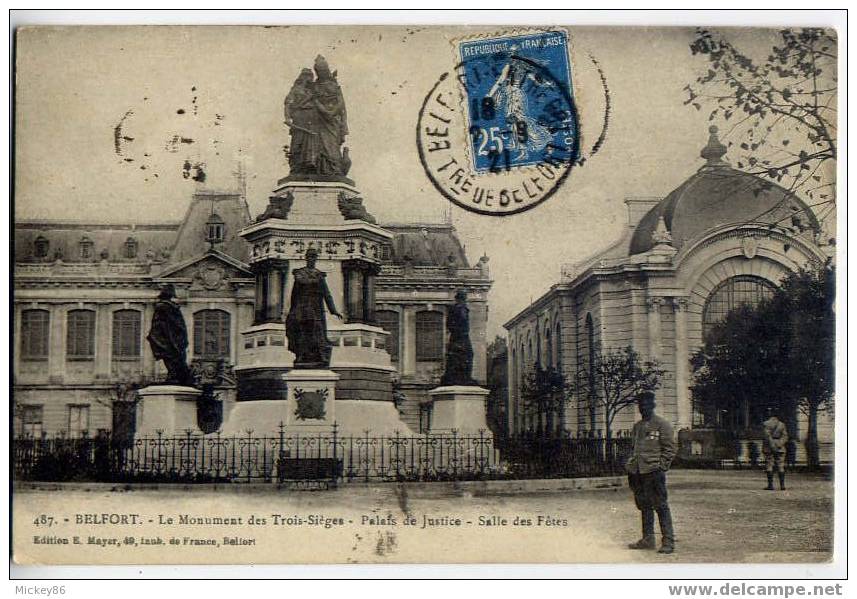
(306,325)
(653,453)
(168,338)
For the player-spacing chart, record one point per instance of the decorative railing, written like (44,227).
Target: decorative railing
(325,456)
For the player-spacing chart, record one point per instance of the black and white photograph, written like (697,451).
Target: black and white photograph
(427,294)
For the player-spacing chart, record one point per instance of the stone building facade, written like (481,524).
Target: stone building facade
(84,295)
(721,239)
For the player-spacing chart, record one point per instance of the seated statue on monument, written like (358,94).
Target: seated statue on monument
(314,111)
(306,326)
(459,351)
(168,338)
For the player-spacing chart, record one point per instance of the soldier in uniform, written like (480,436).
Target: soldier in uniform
(654,449)
(774,448)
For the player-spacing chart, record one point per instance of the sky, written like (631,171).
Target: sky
(109,119)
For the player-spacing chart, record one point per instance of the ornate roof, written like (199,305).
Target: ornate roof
(426,245)
(718,195)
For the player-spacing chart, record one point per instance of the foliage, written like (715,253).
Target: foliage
(614,380)
(782,109)
(543,390)
(779,354)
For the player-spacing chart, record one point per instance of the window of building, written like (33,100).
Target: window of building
(80,336)
(389,321)
(557,339)
(35,327)
(429,336)
(214,229)
(31,421)
(131,248)
(78,421)
(731,293)
(211,331)
(126,334)
(41,247)
(85,248)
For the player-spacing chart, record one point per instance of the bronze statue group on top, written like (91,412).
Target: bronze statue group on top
(315,113)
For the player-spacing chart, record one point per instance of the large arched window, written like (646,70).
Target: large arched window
(126,334)
(211,331)
(389,321)
(731,293)
(35,325)
(80,335)
(429,327)
(557,339)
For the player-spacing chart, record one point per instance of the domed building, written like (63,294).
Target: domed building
(723,238)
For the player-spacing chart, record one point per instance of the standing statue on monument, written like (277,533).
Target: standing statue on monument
(315,113)
(459,351)
(306,326)
(168,338)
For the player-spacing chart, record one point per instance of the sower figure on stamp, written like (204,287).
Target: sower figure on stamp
(774,448)
(306,325)
(651,457)
(168,338)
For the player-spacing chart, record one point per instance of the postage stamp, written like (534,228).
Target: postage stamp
(519,116)
(501,135)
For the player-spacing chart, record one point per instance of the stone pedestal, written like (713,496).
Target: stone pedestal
(311,398)
(459,407)
(167,408)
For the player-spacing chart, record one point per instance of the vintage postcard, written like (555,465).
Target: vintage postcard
(424,294)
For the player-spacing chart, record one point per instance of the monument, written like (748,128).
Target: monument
(172,405)
(459,403)
(306,325)
(306,369)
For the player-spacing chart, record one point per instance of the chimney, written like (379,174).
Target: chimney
(637,208)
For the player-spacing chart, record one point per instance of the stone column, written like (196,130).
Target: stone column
(56,344)
(638,319)
(103,341)
(478,326)
(683,403)
(408,355)
(654,304)
(369,293)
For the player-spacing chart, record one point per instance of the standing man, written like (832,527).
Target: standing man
(654,449)
(774,447)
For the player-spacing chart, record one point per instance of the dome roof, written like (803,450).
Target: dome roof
(718,195)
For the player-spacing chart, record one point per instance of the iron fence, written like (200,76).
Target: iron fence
(325,456)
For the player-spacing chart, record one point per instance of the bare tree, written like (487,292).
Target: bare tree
(613,382)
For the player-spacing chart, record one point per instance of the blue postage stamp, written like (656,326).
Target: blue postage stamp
(519,105)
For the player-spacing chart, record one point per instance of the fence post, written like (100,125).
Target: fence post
(454,454)
(335,472)
(398,465)
(366,445)
(281,453)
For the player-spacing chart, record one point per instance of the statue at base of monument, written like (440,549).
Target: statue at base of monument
(314,112)
(168,338)
(306,325)
(459,351)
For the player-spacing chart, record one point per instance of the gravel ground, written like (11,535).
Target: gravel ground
(720,516)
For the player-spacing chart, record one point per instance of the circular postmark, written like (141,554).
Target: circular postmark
(499,133)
